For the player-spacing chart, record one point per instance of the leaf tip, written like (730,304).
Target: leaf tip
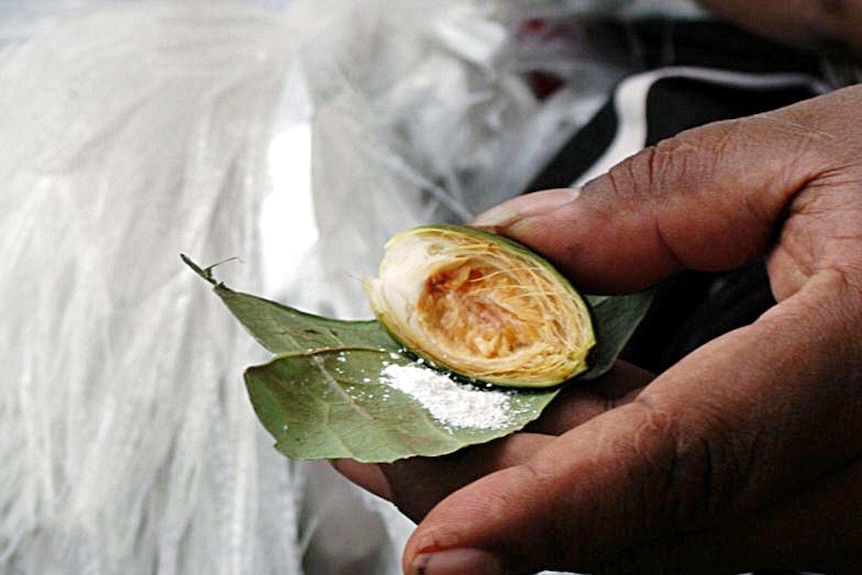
(207,272)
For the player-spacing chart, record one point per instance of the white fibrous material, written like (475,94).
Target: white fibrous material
(127,444)
(450,402)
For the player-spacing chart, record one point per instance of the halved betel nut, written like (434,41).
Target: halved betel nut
(481,306)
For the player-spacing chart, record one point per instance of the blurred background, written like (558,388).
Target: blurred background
(294,135)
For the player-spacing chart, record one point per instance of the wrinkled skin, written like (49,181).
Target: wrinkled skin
(744,455)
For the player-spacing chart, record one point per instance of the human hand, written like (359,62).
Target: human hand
(745,454)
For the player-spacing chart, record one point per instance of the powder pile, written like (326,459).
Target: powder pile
(449,402)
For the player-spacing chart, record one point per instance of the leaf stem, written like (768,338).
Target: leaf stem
(207,272)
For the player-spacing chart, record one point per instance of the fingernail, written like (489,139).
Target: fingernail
(509,212)
(456,562)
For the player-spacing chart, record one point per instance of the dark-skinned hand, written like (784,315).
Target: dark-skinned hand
(745,454)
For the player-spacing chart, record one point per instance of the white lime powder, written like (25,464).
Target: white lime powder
(450,402)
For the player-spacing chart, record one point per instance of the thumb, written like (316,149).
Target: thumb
(734,428)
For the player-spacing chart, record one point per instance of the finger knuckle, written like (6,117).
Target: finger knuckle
(643,176)
(678,165)
(692,471)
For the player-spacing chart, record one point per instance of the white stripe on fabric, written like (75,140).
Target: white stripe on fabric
(630,100)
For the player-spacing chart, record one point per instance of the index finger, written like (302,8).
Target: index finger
(708,199)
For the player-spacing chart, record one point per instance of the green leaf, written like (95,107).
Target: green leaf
(282,329)
(336,404)
(325,394)
(615,320)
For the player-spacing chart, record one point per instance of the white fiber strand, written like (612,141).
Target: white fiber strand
(128,442)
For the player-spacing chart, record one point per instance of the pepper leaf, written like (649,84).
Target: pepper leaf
(615,319)
(324,395)
(335,404)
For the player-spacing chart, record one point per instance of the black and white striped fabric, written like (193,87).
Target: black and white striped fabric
(693,73)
